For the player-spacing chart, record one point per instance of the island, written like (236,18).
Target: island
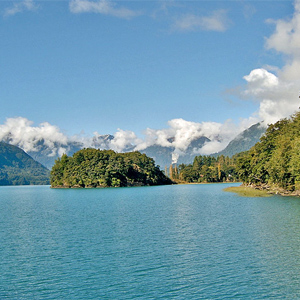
(93,168)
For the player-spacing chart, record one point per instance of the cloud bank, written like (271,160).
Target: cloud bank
(178,135)
(278,92)
(20,132)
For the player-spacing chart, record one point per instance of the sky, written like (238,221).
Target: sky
(147,70)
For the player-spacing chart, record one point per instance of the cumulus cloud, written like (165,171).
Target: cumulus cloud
(104,7)
(124,140)
(217,21)
(26,5)
(278,92)
(21,132)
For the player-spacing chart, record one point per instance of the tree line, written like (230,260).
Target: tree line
(205,169)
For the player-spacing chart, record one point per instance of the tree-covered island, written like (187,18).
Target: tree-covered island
(105,168)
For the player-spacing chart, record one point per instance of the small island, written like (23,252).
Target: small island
(93,168)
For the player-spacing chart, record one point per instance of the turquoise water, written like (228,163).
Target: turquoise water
(165,242)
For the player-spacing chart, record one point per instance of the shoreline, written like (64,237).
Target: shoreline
(245,191)
(252,190)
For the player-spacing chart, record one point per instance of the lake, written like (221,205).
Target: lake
(164,242)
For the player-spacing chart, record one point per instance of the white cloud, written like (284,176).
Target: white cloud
(26,5)
(217,21)
(181,133)
(104,7)
(20,132)
(123,140)
(278,98)
(261,79)
(278,94)
(212,147)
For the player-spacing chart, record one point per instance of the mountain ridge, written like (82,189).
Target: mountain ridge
(163,155)
(243,141)
(19,168)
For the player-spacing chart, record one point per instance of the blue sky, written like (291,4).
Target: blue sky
(102,65)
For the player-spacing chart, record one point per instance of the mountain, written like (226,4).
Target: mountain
(47,151)
(46,156)
(244,141)
(18,168)
(164,156)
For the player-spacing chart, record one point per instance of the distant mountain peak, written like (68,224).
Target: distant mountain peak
(244,141)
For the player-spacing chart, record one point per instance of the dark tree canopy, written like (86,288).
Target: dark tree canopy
(106,168)
(275,160)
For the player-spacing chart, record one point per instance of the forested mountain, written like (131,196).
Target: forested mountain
(244,141)
(106,168)
(275,160)
(18,168)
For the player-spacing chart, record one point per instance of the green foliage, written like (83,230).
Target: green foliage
(275,160)
(18,168)
(106,168)
(209,169)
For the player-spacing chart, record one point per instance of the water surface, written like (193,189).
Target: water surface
(165,242)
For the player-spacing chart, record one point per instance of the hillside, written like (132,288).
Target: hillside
(274,162)
(18,168)
(244,141)
(106,168)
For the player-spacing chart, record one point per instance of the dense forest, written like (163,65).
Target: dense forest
(274,162)
(106,168)
(18,168)
(205,169)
